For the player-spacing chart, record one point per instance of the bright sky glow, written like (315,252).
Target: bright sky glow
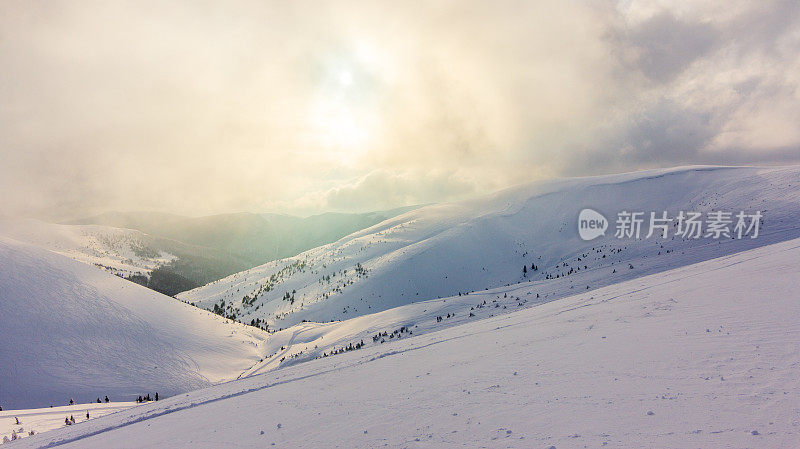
(306,107)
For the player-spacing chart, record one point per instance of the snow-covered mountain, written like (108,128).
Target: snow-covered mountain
(443,250)
(255,238)
(701,356)
(125,252)
(171,253)
(70,330)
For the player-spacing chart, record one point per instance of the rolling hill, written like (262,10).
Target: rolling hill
(205,249)
(70,330)
(701,356)
(448,249)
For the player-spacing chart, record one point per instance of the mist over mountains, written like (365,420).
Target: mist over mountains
(212,247)
(481,313)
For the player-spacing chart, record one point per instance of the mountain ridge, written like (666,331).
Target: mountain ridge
(444,249)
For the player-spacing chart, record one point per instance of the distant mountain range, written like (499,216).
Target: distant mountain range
(208,248)
(524,234)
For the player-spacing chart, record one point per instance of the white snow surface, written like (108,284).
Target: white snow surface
(706,355)
(441,250)
(70,330)
(120,251)
(44,419)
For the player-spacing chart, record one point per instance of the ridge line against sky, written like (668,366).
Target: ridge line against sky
(199,108)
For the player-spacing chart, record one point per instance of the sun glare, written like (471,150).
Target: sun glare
(339,130)
(346,78)
(343,114)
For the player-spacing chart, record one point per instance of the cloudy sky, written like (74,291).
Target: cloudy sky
(307,106)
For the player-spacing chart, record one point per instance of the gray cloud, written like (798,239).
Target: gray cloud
(663,46)
(195,107)
(384,190)
(717,86)
(664,134)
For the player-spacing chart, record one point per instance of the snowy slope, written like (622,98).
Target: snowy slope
(121,251)
(441,250)
(702,356)
(43,419)
(70,330)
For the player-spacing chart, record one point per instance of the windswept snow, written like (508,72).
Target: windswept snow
(706,355)
(441,250)
(70,330)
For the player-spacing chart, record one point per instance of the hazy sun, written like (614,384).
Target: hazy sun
(338,129)
(346,78)
(344,113)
